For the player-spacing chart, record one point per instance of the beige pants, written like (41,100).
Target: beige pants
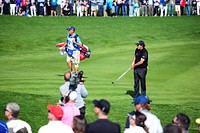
(75,57)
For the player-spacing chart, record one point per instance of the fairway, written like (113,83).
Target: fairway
(31,65)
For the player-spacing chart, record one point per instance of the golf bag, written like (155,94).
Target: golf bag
(85,52)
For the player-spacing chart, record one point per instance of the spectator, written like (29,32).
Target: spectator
(53,7)
(102,124)
(58,8)
(78,8)
(40,7)
(119,7)
(194,7)
(6,7)
(100,7)
(131,3)
(108,7)
(71,3)
(80,90)
(55,125)
(144,7)
(66,9)
(33,7)
(152,122)
(124,7)
(48,8)
(198,7)
(156,6)
(94,6)
(163,8)
(3,127)
(69,109)
(187,6)
(177,7)
(79,124)
(84,7)
(1,7)
(12,7)
(23,5)
(150,8)
(182,6)
(171,7)
(171,128)
(183,121)
(14,123)
(136,10)
(137,123)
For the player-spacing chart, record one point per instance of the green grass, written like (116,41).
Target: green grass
(30,64)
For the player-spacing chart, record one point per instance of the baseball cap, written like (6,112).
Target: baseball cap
(55,110)
(103,104)
(140,43)
(72,95)
(142,99)
(71,28)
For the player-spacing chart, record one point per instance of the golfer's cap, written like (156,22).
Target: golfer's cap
(71,28)
(140,43)
(142,99)
(103,104)
(55,110)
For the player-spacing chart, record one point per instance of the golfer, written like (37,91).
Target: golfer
(140,64)
(73,45)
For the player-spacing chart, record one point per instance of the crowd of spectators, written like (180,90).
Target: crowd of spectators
(63,120)
(100,7)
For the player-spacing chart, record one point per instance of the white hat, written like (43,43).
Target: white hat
(73,95)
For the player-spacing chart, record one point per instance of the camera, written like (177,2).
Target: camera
(75,80)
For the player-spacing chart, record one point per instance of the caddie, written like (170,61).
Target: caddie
(73,45)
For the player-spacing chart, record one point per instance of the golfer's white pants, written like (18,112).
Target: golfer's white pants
(33,10)
(12,9)
(198,8)
(78,10)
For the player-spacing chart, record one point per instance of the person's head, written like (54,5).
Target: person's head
(12,110)
(55,112)
(142,102)
(22,130)
(182,120)
(138,119)
(79,124)
(171,128)
(71,30)
(67,76)
(140,45)
(71,96)
(101,106)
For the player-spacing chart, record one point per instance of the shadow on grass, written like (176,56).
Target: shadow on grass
(130,93)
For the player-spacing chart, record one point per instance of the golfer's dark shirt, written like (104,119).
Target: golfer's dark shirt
(141,54)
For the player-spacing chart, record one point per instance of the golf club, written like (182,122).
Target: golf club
(121,76)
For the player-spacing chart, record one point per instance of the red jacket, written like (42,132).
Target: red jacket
(183,2)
